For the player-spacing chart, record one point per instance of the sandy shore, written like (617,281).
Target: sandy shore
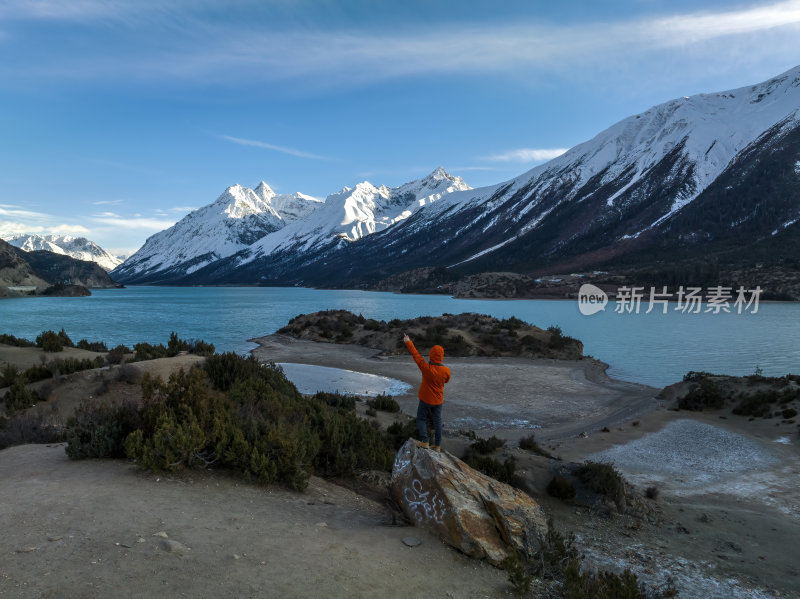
(729,502)
(728,508)
(504,396)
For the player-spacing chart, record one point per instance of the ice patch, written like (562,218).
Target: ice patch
(309,379)
(691,453)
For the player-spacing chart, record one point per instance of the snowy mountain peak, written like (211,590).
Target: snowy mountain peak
(79,248)
(264,191)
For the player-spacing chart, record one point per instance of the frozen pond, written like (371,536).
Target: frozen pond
(309,379)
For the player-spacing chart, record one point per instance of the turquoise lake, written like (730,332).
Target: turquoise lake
(656,349)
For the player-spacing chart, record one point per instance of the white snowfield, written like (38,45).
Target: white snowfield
(709,130)
(79,248)
(263,222)
(691,139)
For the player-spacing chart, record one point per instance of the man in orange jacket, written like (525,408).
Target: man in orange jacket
(431,391)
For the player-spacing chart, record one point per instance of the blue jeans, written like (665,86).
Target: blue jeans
(422,422)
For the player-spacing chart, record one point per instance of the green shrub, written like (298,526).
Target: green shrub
(116,355)
(758,404)
(70,365)
(201,348)
(33,426)
(19,396)
(146,351)
(561,488)
(398,433)
(502,471)
(100,430)
(8,375)
(529,444)
(50,341)
(385,403)
(252,420)
(518,574)
(96,346)
(706,394)
(15,341)
(38,373)
(559,560)
(175,345)
(336,400)
(602,479)
(487,446)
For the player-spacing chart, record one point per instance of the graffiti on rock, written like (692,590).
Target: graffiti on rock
(424,507)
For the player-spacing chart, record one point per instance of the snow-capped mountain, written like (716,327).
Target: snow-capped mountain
(79,248)
(708,175)
(239,217)
(294,224)
(712,170)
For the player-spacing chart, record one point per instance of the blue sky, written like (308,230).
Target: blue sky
(117,118)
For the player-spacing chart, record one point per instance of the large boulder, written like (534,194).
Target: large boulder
(477,515)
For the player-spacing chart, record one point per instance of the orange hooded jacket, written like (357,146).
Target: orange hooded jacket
(434,375)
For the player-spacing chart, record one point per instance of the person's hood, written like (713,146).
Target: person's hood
(437,354)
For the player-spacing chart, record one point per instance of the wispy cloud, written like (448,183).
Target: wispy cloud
(140,223)
(267,146)
(9,229)
(526,155)
(220,51)
(70,230)
(14,211)
(107,203)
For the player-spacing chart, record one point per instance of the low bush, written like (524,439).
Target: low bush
(529,443)
(240,414)
(116,355)
(50,341)
(602,479)
(38,373)
(398,433)
(559,560)
(175,345)
(706,394)
(35,426)
(146,351)
(502,471)
(201,348)
(757,405)
(561,488)
(70,365)
(96,346)
(99,430)
(487,446)
(15,341)
(518,575)
(8,375)
(384,403)
(129,374)
(19,396)
(336,400)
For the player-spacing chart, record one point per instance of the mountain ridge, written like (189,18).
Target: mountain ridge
(640,190)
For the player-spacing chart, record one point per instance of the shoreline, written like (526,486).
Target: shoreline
(506,396)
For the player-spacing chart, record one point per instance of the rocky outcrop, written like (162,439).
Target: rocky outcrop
(476,514)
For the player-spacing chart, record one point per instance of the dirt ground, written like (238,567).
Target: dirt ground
(94,528)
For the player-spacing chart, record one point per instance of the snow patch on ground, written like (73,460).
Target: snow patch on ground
(691,453)
(309,379)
